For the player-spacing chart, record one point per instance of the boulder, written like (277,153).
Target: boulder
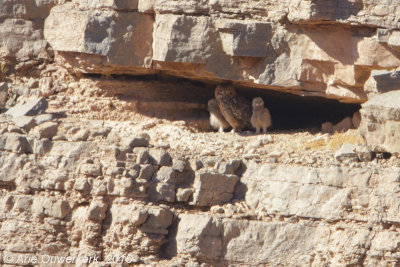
(212,188)
(42,146)
(245,38)
(380,122)
(182,38)
(46,130)
(124,214)
(113,4)
(199,235)
(132,171)
(119,38)
(19,89)
(21,38)
(93,170)
(179,165)
(39,119)
(26,9)
(229,167)
(97,210)
(33,83)
(134,141)
(46,86)
(363,153)
(147,172)
(82,184)
(183,194)
(146,6)
(343,125)
(162,191)
(59,209)
(25,122)
(160,157)
(80,135)
(33,107)
(3,94)
(382,81)
(17,144)
(142,155)
(158,221)
(347,152)
(50,207)
(394,40)
(166,175)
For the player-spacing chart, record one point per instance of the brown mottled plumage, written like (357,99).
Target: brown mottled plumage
(236,109)
(217,120)
(261,117)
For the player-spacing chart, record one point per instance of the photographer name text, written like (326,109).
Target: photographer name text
(53,259)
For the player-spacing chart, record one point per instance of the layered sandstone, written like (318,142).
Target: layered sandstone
(103,188)
(85,173)
(319,48)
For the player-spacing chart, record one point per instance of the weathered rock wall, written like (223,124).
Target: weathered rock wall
(100,190)
(324,48)
(21,32)
(97,188)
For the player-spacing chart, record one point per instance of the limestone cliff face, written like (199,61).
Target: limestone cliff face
(78,187)
(102,191)
(323,48)
(319,48)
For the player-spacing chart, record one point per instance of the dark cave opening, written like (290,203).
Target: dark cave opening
(173,98)
(290,111)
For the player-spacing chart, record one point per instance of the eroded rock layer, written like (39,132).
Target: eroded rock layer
(98,190)
(312,48)
(87,178)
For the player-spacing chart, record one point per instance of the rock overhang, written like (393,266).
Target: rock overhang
(331,56)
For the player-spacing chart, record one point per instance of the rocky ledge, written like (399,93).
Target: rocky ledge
(333,49)
(106,189)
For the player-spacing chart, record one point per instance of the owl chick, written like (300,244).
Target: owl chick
(261,117)
(217,120)
(236,109)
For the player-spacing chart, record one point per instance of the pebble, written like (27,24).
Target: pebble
(149,125)
(81,135)
(237,146)
(3,129)
(250,156)
(251,150)
(324,137)
(164,145)
(14,129)
(275,154)
(266,139)
(274,160)
(59,137)
(217,209)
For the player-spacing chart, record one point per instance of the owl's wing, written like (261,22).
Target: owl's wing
(241,109)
